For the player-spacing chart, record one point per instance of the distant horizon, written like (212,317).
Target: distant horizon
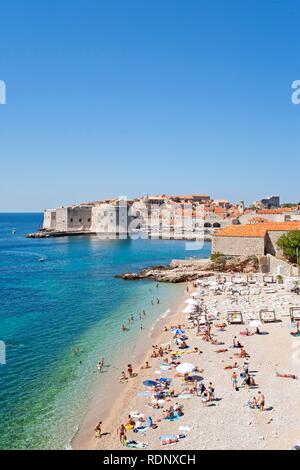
(247,205)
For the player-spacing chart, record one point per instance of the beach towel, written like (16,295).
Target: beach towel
(136,444)
(185,396)
(165,367)
(144,394)
(185,428)
(136,414)
(170,439)
(175,417)
(148,425)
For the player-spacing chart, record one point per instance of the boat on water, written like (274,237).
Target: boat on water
(41,260)
(14,231)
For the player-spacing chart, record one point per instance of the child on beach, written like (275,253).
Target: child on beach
(98,429)
(123,377)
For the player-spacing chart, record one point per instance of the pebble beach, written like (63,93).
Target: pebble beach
(226,421)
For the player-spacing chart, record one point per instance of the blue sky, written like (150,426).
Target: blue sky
(107,98)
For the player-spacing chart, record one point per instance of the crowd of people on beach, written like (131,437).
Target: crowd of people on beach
(164,394)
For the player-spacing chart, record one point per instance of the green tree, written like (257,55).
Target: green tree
(290,245)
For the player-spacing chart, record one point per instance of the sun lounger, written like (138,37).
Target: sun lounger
(295,314)
(235,317)
(267,316)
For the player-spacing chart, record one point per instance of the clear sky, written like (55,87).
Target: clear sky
(129,97)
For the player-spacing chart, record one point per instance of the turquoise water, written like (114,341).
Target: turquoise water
(48,310)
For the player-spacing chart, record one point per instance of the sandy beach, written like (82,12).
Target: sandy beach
(225,422)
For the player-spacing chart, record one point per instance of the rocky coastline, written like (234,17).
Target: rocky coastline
(190,270)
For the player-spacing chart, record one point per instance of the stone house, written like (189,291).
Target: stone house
(251,239)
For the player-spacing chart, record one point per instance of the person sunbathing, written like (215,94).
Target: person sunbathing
(193,390)
(146,366)
(130,423)
(233,366)
(242,353)
(220,325)
(123,378)
(286,376)
(236,343)
(216,343)
(249,381)
(297,332)
(218,351)
(246,333)
(179,409)
(183,345)
(253,403)
(207,337)
(169,413)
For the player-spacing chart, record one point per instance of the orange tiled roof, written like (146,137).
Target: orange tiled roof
(256,230)
(280,210)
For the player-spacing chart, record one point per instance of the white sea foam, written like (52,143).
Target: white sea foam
(159,318)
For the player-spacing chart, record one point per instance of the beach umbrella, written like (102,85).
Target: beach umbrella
(149,383)
(178,332)
(185,367)
(192,301)
(189,309)
(163,380)
(255,323)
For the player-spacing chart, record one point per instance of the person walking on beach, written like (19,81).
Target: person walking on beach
(122,434)
(234,381)
(130,370)
(100,365)
(98,429)
(211,392)
(261,401)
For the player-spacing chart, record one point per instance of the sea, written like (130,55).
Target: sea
(60,316)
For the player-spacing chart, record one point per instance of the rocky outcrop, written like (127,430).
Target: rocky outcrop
(167,274)
(234,264)
(190,270)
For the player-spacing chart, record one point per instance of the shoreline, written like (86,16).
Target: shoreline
(115,400)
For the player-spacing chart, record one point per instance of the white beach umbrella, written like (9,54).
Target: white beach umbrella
(189,309)
(192,302)
(185,367)
(255,323)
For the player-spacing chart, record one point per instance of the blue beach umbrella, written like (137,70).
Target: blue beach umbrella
(163,379)
(178,332)
(149,383)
